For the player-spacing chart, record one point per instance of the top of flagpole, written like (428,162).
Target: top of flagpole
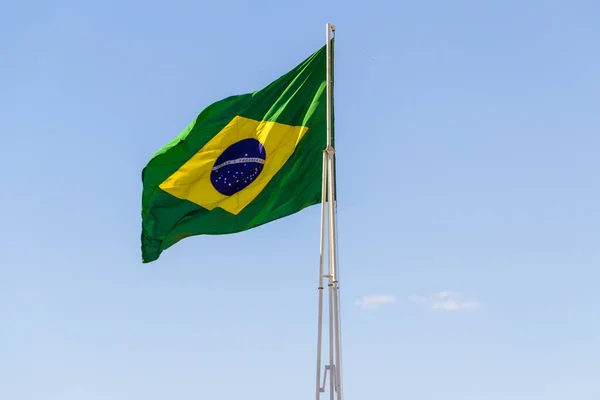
(330,29)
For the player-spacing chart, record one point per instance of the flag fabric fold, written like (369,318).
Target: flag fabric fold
(245,160)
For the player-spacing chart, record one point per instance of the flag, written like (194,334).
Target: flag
(245,160)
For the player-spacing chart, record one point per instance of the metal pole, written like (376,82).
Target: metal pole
(328,150)
(332,374)
(321,272)
(329,212)
(334,318)
(329,28)
(334,299)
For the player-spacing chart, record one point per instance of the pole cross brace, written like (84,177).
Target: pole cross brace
(331,369)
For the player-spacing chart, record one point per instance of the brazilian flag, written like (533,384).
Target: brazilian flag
(246,160)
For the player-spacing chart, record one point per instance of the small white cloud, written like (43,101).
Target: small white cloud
(448,301)
(375,301)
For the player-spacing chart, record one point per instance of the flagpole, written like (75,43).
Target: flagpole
(329,152)
(333,266)
(321,274)
(328,210)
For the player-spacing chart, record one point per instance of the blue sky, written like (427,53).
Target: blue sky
(468,159)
